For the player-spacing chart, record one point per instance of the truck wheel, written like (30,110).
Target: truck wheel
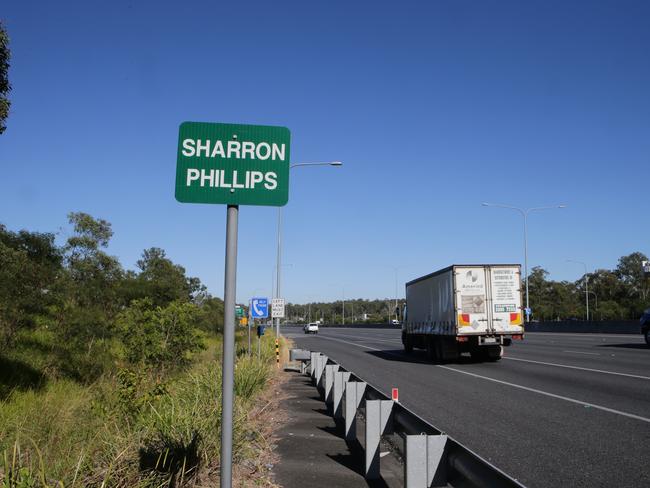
(647,336)
(440,351)
(494,353)
(449,349)
(431,349)
(408,347)
(477,355)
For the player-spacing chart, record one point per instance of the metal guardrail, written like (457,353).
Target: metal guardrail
(431,458)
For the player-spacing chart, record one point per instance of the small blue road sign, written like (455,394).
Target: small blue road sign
(259,308)
(528,311)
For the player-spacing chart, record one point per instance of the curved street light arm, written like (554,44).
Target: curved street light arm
(330,163)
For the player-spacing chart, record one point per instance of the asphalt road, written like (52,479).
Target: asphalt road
(557,410)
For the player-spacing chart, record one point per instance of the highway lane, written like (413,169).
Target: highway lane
(558,410)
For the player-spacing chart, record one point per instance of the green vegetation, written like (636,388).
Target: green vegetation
(619,294)
(358,310)
(111,377)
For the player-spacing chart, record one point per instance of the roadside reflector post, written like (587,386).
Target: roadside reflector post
(340,378)
(425,462)
(354,391)
(277,352)
(395,394)
(379,416)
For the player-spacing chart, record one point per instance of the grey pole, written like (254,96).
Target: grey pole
(278,272)
(395,311)
(586,284)
(343,306)
(278,293)
(596,297)
(250,319)
(228,367)
(525,214)
(587,292)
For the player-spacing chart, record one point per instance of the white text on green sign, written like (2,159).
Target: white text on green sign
(233,164)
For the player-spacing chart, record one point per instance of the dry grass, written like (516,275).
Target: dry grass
(67,435)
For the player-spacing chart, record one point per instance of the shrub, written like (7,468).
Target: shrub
(159,338)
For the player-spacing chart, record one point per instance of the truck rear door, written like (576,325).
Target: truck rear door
(471,299)
(504,299)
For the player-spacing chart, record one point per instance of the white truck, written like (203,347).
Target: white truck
(464,308)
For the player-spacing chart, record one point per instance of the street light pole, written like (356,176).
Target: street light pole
(278,293)
(524,212)
(395,309)
(396,269)
(586,283)
(596,309)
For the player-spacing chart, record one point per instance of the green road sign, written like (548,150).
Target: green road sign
(239,311)
(232,164)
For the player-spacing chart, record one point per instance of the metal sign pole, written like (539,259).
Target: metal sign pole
(228,370)
(250,319)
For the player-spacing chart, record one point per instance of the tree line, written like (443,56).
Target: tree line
(87,310)
(619,294)
(622,293)
(357,310)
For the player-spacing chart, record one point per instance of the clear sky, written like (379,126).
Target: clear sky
(433,106)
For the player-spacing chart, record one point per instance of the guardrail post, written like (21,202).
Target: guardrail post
(378,423)
(330,369)
(424,465)
(340,378)
(312,364)
(354,391)
(321,361)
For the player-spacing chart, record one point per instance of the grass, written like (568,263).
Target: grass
(130,429)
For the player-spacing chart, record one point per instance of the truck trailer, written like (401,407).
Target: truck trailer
(464,308)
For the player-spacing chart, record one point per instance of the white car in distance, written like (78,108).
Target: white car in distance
(311,328)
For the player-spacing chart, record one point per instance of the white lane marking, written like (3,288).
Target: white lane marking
(368,339)
(348,342)
(578,367)
(580,352)
(587,335)
(628,375)
(552,395)
(514,385)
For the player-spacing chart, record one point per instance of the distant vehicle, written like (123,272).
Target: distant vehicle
(311,328)
(645,326)
(463,308)
(394,322)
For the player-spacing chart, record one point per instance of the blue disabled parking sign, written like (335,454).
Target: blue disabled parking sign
(259,308)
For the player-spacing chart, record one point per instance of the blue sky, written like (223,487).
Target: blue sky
(433,106)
